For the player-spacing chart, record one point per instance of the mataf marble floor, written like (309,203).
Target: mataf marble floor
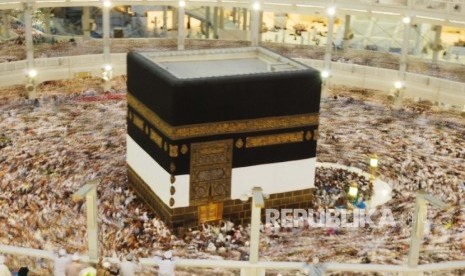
(48,151)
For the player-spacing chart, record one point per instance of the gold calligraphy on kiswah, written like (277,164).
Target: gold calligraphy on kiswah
(225,127)
(274,139)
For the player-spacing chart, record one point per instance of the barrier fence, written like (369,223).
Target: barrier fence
(441,91)
(260,267)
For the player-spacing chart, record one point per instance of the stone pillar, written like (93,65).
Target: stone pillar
(221,18)
(5,24)
(165,20)
(329,43)
(404,51)
(215,22)
(106,46)
(234,15)
(189,30)
(369,31)
(418,39)
(437,44)
(28,10)
(47,17)
(347,32)
(175,18)
(255,26)
(31,85)
(85,19)
(207,22)
(283,28)
(181,14)
(244,22)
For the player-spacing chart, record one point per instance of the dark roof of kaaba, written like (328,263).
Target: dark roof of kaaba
(183,101)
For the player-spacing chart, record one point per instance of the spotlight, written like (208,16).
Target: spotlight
(331,11)
(256,6)
(406,20)
(182,3)
(107,3)
(325,74)
(353,190)
(32,73)
(374,161)
(398,84)
(107,72)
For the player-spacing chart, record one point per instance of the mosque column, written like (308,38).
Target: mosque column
(107,68)
(189,29)
(181,14)
(47,17)
(369,31)
(326,73)
(5,24)
(106,34)
(207,22)
(244,21)
(28,10)
(329,39)
(85,19)
(405,48)
(234,15)
(165,20)
(347,32)
(255,24)
(174,18)
(221,19)
(215,22)
(418,39)
(31,85)
(437,44)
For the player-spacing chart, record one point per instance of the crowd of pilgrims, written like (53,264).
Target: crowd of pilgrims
(49,149)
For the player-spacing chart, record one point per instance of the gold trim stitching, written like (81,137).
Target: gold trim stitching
(138,122)
(275,139)
(308,135)
(239,143)
(184,149)
(226,127)
(174,152)
(156,138)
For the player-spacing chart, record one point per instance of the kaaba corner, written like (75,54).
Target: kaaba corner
(206,126)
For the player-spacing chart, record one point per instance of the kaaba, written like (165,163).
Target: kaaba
(206,126)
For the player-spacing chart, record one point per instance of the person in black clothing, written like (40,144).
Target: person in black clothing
(23,271)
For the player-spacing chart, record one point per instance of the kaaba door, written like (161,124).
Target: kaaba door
(210,175)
